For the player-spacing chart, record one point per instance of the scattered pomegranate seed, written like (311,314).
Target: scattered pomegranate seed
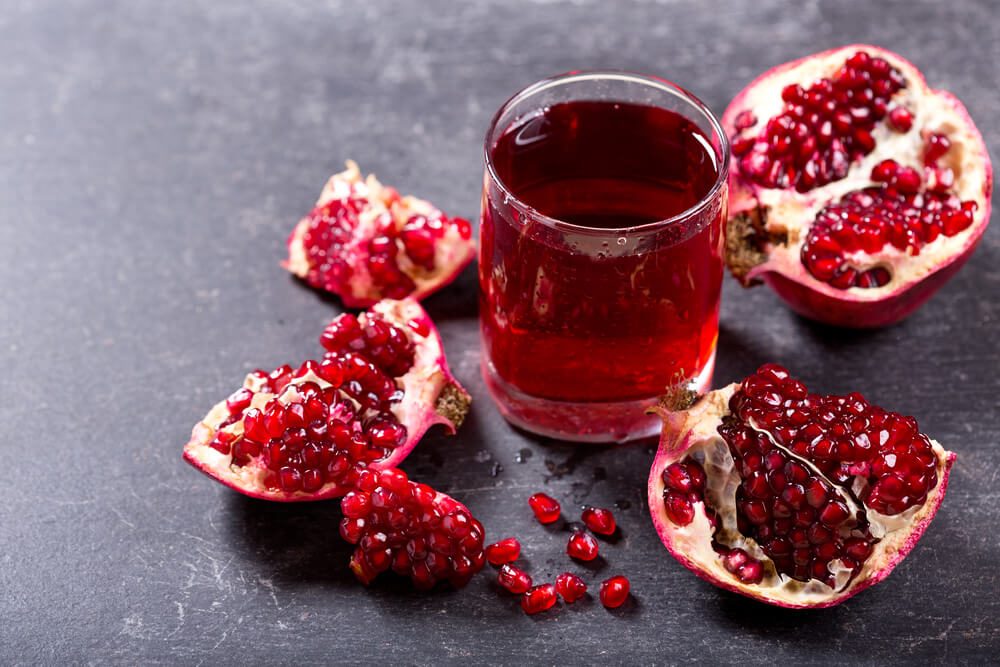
(546,508)
(538,599)
(570,587)
(504,551)
(599,520)
(614,592)
(514,579)
(582,546)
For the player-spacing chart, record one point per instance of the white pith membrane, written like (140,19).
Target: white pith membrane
(692,433)
(787,213)
(451,253)
(431,396)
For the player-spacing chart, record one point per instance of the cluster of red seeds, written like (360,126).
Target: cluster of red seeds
(568,586)
(331,228)
(371,336)
(797,474)
(896,212)
(822,128)
(308,436)
(408,527)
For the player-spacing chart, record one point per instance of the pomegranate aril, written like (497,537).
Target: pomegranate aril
(599,520)
(538,599)
(545,508)
(504,551)
(570,587)
(513,579)
(582,546)
(614,592)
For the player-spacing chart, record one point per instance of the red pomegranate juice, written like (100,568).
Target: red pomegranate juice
(601,309)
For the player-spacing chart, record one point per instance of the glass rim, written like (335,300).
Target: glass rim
(613,75)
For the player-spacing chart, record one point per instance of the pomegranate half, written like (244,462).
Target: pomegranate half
(306,434)
(365,242)
(792,498)
(856,191)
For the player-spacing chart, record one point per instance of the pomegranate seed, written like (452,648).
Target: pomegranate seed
(582,546)
(900,119)
(599,520)
(504,551)
(538,599)
(546,508)
(570,587)
(513,579)
(614,592)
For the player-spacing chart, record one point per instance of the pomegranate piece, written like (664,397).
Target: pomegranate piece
(504,551)
(538,599)
(570,587)
(411,529)
(614,592)
(513,579)
(364,242)
(546,508)
(811,499)
(859,192)
(599,520)
(582,546)
(305,434)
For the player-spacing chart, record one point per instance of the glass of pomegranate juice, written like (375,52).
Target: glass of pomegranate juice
(601,252)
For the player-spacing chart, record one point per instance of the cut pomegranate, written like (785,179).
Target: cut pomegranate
(614,592)
(570,587)
(546,508)
(599,520)
(538,599)
(793,498)
(513,579)
(411,529)
(504,551)
(365,242)
(855,190)
(306,434)
(582,546)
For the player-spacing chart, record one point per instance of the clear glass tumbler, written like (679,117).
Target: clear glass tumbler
(600,270)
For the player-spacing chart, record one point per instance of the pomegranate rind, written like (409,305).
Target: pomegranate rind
(432,396)
(694,429)
(451,255)
(779,219)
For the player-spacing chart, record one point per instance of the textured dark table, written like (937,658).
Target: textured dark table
(152,159)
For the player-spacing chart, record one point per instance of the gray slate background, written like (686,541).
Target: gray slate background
(152,159)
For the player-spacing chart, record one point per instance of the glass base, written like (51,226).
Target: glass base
(619,421)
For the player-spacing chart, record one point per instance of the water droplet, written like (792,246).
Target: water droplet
(622,240)
(496,470)
(522,455)
(482,456)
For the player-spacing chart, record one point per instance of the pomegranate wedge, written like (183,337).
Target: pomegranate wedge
(792,498)
(306,434)
(856,190)
(364,242)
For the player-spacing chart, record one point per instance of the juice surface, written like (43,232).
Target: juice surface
(606,313)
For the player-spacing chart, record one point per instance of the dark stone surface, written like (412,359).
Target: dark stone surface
(152,159)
